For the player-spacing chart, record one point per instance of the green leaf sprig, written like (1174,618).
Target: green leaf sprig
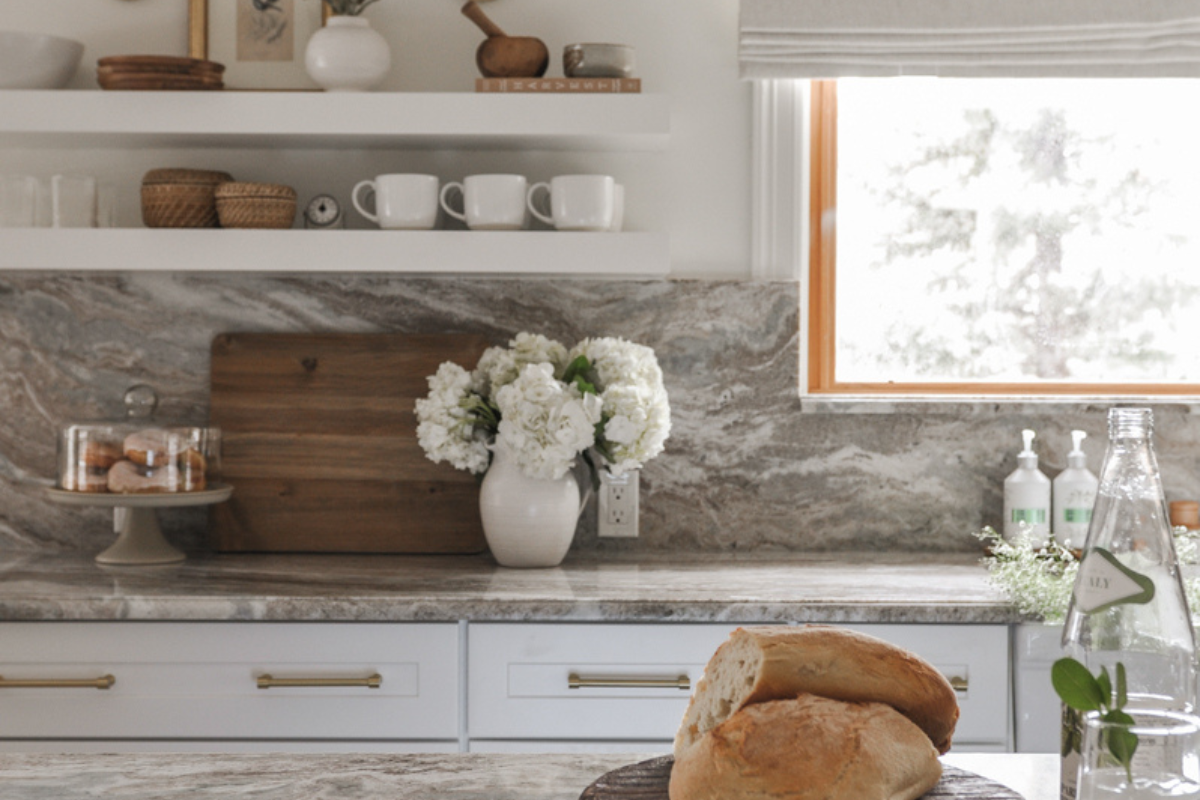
(1082,691)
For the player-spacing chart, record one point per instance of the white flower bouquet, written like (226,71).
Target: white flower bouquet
(548,405)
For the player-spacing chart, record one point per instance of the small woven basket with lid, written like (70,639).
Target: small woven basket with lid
(242,204)
(181,198)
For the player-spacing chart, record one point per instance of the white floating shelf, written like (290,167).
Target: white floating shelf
(408,120)
(562,254)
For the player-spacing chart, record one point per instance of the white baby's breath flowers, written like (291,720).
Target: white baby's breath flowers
(545,423)
(447,428)
(1039,578)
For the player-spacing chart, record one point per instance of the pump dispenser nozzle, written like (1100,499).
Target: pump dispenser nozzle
(1077,459)
(1027,459)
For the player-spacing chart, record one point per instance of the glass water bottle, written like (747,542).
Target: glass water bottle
(1128,604)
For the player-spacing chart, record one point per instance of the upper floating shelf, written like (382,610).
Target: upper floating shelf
(409,120)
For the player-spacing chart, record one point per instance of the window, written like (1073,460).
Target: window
(1004,237)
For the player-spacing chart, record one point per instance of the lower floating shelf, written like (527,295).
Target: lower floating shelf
(562,254)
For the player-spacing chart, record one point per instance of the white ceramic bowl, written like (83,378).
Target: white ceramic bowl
(37,60)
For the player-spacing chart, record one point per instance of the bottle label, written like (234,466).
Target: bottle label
(1105,582)
(1034,516)
(1077,515)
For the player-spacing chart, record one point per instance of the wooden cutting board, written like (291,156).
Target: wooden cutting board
(648,780)
(319,443)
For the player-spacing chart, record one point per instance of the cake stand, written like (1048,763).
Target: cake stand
(135,519)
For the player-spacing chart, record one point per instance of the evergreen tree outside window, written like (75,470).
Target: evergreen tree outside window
(1009,236)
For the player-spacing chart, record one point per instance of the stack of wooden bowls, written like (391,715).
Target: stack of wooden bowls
(159,73)
(181,198)
(243,204)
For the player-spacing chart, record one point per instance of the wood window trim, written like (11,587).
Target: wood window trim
(822,274)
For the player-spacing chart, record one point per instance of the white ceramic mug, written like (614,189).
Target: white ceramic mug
(490,202)
(73,201)
(577,202)
(402,201)
(18,201)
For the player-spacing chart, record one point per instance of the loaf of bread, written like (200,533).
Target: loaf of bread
(758,664)
(808,748)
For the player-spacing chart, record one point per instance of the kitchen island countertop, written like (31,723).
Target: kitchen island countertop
(467,776)
(836,588)
(461,776)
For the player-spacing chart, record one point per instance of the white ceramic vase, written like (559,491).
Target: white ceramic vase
(528,522)
(348,55)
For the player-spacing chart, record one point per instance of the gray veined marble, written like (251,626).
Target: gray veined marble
(745,468)
(615,588)
(470,776)
(296,777)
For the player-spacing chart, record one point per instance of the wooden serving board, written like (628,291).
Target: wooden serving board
(319,442)
(648,780)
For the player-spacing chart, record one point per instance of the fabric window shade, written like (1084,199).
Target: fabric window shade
(969,38)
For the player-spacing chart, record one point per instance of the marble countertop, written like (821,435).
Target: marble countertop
(376,777)
(837,588)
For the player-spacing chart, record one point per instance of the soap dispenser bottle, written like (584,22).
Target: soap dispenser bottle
(1027,495)
(1074,495)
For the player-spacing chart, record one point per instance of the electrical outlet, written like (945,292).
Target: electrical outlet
(617,505)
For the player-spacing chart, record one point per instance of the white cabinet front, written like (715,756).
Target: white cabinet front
(546,687)
(586,681)
(129,680)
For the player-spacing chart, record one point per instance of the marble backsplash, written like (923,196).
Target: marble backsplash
(746,468)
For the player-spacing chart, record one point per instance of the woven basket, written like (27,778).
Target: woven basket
(181,198)
(179,206)
(255,205)
(175,175)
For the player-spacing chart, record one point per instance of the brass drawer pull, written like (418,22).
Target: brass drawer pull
(103,682)
(266,681)
(958,684)
(583,682)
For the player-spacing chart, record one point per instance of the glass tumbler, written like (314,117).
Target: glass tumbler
(1165,760)
(18,201)
(73,201)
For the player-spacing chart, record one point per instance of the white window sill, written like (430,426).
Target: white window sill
(984,405)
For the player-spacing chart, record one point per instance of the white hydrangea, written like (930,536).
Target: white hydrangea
(635,407)
(616,361)
(499,366)
(516,395)
(637,423)
(446,428)
(545,423)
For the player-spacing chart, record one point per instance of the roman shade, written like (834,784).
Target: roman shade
(969,38)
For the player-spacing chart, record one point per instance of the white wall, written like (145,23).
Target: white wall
(698,191)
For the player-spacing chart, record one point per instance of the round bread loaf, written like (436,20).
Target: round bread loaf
(808,748)
(764,663)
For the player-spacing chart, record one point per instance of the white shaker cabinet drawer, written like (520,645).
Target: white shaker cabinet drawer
(586,681)
(975,659)
(228,680)
(557,682)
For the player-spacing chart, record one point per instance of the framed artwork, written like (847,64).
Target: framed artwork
(260,42)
